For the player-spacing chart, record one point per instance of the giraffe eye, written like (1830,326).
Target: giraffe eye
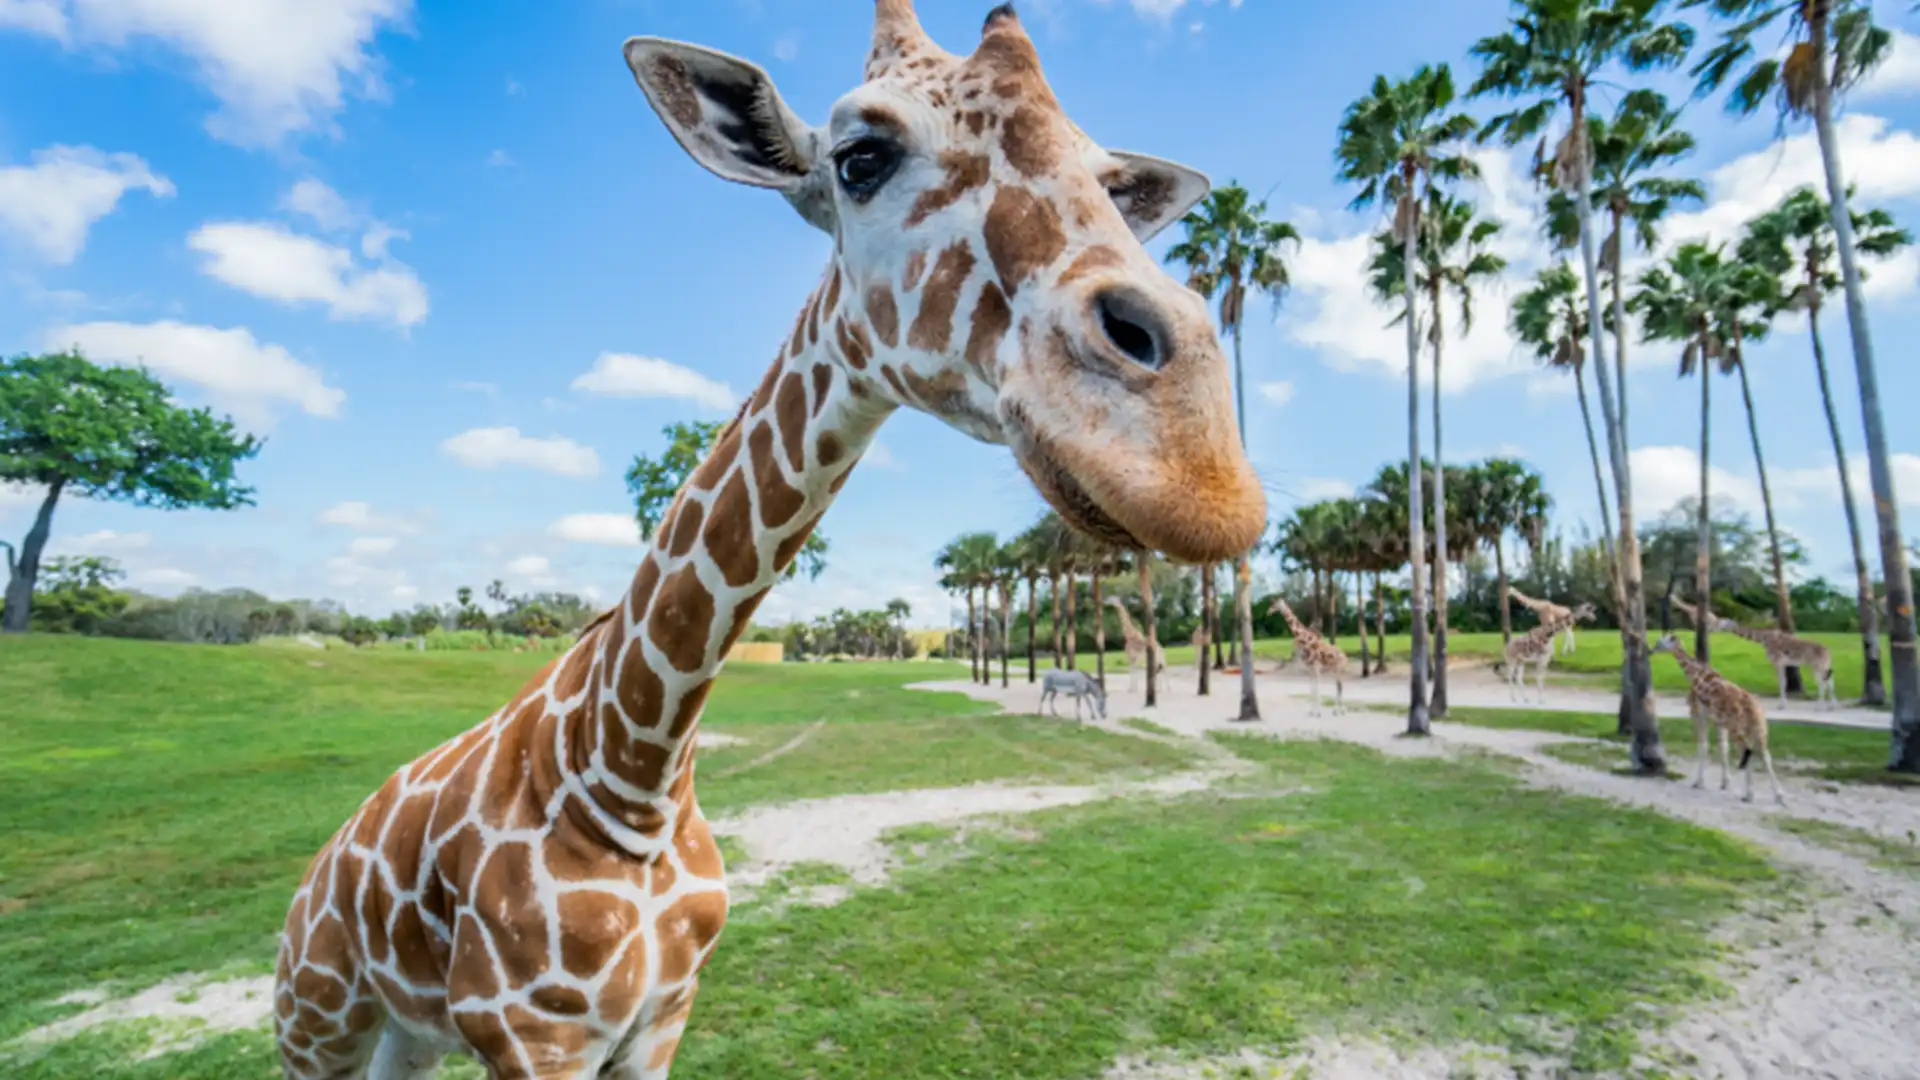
(864,166)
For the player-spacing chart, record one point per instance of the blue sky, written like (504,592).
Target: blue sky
(445,259)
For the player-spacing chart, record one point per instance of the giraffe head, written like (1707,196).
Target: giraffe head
(1584,612)
(990,264)
(1669,644)
(1725,625)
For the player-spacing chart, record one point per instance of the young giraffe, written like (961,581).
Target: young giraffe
(1713,699)
(542,891)
(1536,647)
(1318,655)
(1546,611)
(1136,647)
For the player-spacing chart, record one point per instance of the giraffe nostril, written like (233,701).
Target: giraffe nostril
(1129,327)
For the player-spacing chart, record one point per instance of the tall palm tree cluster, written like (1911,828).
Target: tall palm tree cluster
(1408,146)
(1488,504)
(1068,568)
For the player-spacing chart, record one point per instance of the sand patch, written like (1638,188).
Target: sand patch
(193,1007)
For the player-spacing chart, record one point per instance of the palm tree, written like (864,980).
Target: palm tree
(1103,558)
(969,560)
(1030,548)
(1549,317)
(1795,240)
(1504,496)
(1693,299)
(1552,53)
(1231,247)
(1453,258)
(1834,44)
(1396,143)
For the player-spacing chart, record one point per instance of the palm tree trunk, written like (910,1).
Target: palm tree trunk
(1703,552)
(1099,630)
(1206,605)
(1033,621)
(1874,692)
(1647,755)
(1506,605)
(1780,596)
(24,569)
(1439,707)
(1418,720)
(1904,752)
(1380,626)
(1360,622)
(1073,623)
(1213,620)
(1006,630)
(973,637)
(1053,592)
(1243,569)
(1151,628)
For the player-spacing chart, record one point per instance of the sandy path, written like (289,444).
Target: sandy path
(1826,988)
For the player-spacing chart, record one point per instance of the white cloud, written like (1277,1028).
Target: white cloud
(1315,488)
(626,375)
(247,377)
(270,262)
(500,159)
(1163,10)
(406,594)
(1899,74)
(276,66)
(51,204)
(18,496)
(158,579)
(487,448)
(1278,392)
(105,541)
(360,517)
(606,530)
(1664,475)
(314,199)
(880,456)
(371,546)
(533,570)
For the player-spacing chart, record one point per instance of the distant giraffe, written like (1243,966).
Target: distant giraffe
(1318,655)
(1545,610)
(1712,698)
(1783,651)
(1535,647)
(1136,646)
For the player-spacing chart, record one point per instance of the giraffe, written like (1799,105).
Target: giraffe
(1136,646)
(1784,650)
(1318,655)
(542,891)
(1714,699)
(1546,611)
(1535,647)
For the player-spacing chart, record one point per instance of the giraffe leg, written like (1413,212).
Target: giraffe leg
(1766,759)
(1726,760)
(649,1055)
(1826,687)
(1700,736)
(400,1056)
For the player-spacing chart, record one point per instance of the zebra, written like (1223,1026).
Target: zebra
(1076,685)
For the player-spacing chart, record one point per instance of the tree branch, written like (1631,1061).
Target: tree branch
(10,562)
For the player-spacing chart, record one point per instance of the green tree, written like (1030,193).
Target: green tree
(1550,319)
(1454,260)
(1794,242)
(1231,247)
(1505,498)
(1552,53)
(1831,46)
(1397,143)
(77,595)
(71,426)
(653,482)
(970,563)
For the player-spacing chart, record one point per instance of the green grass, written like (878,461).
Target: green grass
(1423,900)
(162,801)
(1876,849)
(1840,754)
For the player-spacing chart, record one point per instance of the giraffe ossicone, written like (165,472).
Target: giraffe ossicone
(542,891)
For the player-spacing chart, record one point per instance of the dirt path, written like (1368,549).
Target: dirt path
(1828,986)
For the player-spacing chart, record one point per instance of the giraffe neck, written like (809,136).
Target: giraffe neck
(1127,628)
(1745,632)
(1294,624)
(736,524)
(1695,670)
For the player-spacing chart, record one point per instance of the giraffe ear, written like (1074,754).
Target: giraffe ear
(726,114)
(1153,193)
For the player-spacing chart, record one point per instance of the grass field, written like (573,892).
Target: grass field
(162,800)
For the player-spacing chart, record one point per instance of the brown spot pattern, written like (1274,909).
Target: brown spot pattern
(916,265)
(854,344)
(790,411)
(882,315)
(1028,139)
(991,319)
(720,458)
(789,548)
(1094,259)
(730,533)
(823,377)
(1023,235)
(965,172)
(686,527)
(932,327)
(682,617)
(830,449)
(779,500)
